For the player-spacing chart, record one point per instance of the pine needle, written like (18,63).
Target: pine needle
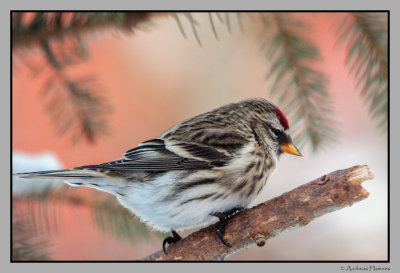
(178,21)
(213,26)
(240,19)
(228,23)
(193,24)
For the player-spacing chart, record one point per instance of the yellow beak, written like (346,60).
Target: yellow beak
(290,149)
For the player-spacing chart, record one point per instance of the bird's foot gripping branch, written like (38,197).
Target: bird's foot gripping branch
(296,208)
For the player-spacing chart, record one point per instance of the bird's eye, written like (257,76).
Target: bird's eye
(276,132)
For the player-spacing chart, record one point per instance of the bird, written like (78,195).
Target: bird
(211,165)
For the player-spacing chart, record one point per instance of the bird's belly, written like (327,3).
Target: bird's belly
(158,204)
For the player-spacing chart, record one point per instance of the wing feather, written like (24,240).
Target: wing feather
(155,156)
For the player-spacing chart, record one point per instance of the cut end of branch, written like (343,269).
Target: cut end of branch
(359,174)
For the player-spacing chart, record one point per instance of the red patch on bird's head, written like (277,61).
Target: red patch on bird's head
(282,118)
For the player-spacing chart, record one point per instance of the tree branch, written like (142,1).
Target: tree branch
(296,208)
(50,25)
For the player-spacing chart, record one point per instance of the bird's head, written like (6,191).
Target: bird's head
(271,126)
(282,136)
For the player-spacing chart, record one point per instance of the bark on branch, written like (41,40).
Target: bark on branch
(296,208)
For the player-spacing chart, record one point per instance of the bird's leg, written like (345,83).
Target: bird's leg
(223,218)
(170,240)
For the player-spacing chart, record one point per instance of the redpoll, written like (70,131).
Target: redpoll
(208,166)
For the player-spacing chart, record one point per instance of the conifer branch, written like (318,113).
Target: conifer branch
(39,214)
(366,37)
(27,242)
(295,83)
(74,103)
(46,26)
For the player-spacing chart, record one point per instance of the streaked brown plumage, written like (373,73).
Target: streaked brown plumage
(205,166)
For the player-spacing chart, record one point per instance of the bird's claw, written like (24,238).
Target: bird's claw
(170,240)
(223,217)
(220,233)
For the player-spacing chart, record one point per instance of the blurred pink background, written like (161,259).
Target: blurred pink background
(155,78)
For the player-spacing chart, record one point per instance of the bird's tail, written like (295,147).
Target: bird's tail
(63,174)
(78,178)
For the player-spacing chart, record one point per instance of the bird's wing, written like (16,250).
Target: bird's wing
(160,155)
(225,140)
